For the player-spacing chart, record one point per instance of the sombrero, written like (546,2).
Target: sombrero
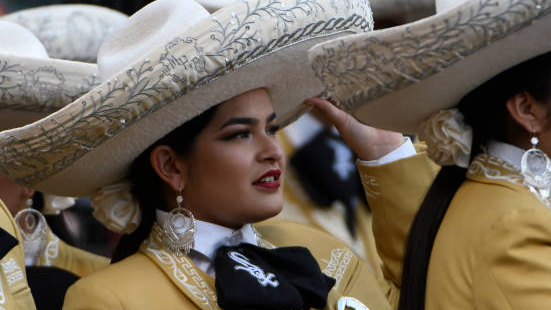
(32,84)
(168,63)
(396,78)
(69,31)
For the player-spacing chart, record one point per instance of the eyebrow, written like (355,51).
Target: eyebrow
(246,120)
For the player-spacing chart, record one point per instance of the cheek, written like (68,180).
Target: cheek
(223,168)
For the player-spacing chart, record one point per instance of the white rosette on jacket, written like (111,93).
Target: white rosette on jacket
(448,138)
(115,207)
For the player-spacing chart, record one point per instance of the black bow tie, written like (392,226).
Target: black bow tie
(249,277)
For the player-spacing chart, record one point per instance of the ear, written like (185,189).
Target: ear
(27,193)
(169,166)
(527,112)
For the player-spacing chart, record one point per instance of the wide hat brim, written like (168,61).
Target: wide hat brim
(91,142)
(396,78)
(32,85)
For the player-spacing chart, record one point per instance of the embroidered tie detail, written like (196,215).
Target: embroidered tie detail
(250,277)
(255,271)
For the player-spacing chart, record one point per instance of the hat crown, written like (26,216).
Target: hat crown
(146,29)
(19,41)
(446,5)
(69,31)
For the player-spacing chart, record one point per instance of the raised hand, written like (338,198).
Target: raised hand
(367,142)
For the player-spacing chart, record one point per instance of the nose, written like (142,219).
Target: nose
(271,150)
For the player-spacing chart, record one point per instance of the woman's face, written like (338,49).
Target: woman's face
(235,171)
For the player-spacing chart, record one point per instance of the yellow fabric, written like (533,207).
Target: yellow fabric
(300,208)
(492,250)
(394,192)
(59,254)
(153,278)
(14,290)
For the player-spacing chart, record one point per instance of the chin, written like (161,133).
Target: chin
(267,213)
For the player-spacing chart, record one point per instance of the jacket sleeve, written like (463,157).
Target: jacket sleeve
(87,294)
(513,270)
(394,192)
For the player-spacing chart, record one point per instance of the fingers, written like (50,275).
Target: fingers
(333,114)
(367,142)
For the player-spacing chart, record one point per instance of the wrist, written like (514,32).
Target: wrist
(374,151)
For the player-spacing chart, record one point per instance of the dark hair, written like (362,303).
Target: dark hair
(485,111)
(147,187)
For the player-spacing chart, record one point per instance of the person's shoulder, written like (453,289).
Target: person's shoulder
(127,270)
(283,233)
(499,199)
(112,285)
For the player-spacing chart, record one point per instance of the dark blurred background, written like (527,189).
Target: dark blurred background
(126,6)
(384,14)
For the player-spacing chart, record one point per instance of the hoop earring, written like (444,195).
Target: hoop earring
(179,229)
(535,167)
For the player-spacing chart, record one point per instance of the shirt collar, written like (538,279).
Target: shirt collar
(507,152)
(209,237)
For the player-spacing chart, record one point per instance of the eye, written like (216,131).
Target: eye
(243,134)
(272,130)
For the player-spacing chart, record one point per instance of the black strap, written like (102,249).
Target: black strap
(250,277)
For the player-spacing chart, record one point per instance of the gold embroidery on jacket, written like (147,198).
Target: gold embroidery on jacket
(494,168)
(336,266)
(51,252)
(182,269)
(371,186)
(12,271)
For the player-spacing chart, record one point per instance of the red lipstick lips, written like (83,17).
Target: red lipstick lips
(269,180)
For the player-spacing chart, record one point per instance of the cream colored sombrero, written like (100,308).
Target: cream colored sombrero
(169,62)
(395,78)
(69,31)
(32,84)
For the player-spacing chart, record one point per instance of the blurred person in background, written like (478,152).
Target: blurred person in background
(35,84)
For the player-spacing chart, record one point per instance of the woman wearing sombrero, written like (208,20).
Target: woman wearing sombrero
(474,82)
(177,148)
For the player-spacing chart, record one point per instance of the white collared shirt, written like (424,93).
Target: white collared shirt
(209,237)
(507,152)
(403,151)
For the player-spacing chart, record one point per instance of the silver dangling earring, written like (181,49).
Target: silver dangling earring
(33,227)
(535,167)
(179,229)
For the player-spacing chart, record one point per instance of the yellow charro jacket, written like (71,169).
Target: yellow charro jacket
(59,254)
(154,278)
(14,290)
(300,208)
(493,248)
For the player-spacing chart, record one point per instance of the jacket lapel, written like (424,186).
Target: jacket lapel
(488,169)
(192,281)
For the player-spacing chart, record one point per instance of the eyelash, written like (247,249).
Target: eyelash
(272,130)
